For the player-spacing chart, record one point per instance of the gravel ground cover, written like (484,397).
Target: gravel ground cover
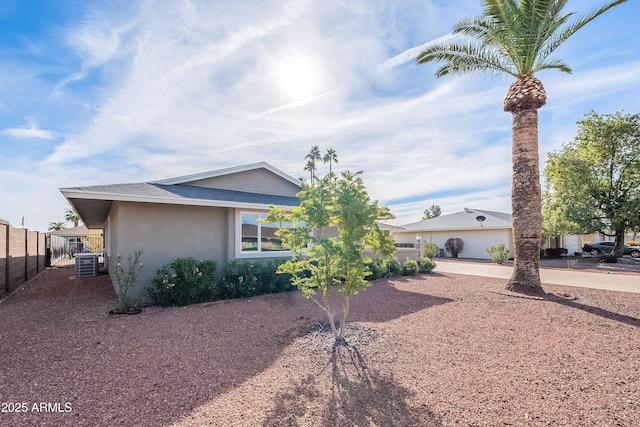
(432,350)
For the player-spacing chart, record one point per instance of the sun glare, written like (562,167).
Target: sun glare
(298,78)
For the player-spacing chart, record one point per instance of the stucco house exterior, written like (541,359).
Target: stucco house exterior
(479,229)
(210,215)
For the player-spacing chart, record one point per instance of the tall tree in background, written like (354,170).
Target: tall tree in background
(516,37)
(55,226)
(596,177)
(70,215)
(433,212)
(330,157)
(312,157)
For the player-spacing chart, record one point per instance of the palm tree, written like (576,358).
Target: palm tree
(330,157)
(55,226)
(312,157)
(72,216)
(516,37)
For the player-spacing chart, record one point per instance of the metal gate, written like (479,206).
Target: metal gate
(62,250)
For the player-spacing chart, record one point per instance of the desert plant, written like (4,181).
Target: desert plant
(409,267)
(426,265)
(498,253)
(430,250)
(454,246)
(184,281)
(125,277)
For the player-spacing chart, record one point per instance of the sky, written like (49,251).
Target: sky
(117,91)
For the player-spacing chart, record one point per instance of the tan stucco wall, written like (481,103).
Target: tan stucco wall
(476,242)
(257,181)
(164,232)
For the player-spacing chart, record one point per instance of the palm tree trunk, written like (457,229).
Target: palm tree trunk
(526,202)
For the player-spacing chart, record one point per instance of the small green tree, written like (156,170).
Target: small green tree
(454,246)
(322,261)
(433,212)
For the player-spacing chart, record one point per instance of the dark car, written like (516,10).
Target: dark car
(606,247)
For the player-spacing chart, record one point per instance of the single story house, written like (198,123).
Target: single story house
(479,230)
(211,215)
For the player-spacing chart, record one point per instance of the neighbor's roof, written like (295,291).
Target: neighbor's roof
(94,202)
(81,230)
(464,220)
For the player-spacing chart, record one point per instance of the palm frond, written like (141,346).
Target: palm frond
(558,38)
(516,37)
(461,58)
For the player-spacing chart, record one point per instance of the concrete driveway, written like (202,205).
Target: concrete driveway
(612,281)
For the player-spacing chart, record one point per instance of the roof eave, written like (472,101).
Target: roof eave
(221,172)
(94,195)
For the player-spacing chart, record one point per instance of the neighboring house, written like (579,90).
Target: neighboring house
(479,229)
(211,215)
(574,242)
(65,244)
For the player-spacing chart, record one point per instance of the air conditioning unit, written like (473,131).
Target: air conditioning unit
(86,265)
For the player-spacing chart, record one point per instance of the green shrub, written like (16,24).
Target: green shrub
(377,267)
(394,268)
(499,254)
(242,279)
(430,250)
(184,281)
(409,267)
(426,265)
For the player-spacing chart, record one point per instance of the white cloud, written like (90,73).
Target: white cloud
(412,53)
(197,85)
(29,133)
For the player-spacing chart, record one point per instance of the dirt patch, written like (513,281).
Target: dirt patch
(435,350)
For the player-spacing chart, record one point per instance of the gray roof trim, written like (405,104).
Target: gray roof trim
(179,195)
(227,171)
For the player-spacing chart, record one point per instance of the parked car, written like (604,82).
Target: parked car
(607,247)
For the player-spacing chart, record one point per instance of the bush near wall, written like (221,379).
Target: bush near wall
(430,250)
(553,252)
(184,281)
(242,279)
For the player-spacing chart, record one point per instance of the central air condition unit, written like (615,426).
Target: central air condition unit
(86,265)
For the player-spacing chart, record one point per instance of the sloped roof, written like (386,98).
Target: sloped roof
(94,202)
(81,230)
(464,220)
(227,171)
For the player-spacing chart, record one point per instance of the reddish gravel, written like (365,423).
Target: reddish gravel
(435,350)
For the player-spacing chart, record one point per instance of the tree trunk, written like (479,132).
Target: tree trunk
(526,202)
(619,248)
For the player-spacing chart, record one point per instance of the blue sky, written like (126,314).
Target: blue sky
(100,92)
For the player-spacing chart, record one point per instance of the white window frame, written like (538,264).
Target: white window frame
(258,253)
